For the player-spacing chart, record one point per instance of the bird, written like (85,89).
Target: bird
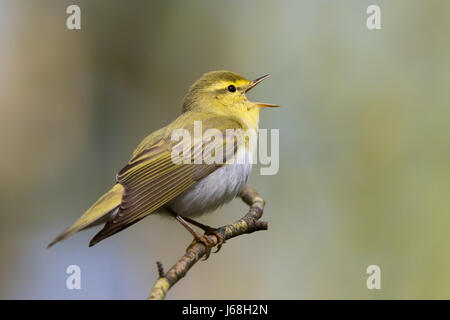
(154,182)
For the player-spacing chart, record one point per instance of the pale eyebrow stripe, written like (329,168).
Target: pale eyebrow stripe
(225,90)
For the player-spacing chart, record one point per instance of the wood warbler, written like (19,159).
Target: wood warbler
(153,182)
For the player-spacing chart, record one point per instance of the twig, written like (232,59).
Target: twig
(160,269)
(247,224)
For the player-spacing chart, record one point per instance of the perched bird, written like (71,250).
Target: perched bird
(153,182)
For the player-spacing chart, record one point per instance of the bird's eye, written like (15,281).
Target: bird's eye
(231,88)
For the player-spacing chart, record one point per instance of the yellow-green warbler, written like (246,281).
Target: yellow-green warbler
(153,182)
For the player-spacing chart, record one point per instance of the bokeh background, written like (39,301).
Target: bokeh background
(364,160)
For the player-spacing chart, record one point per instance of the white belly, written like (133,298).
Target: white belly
(211,192)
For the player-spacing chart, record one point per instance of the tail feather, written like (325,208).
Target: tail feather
(98,213)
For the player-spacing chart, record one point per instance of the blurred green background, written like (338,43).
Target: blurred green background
(364,161)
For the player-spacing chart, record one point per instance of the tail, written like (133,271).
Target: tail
(98,213)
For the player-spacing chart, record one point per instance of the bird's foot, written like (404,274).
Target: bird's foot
(220,237)
(207,242)
(204,239)
(208,231)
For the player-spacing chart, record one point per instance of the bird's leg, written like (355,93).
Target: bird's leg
(208,231)
(197,237)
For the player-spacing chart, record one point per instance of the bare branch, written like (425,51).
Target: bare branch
(247,224)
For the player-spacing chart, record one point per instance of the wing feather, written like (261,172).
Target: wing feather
(151,179)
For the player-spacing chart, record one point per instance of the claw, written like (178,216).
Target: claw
(206,242)
(215,232)
(203,239)
(220,239)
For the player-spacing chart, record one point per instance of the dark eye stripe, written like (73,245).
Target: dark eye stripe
(222,91)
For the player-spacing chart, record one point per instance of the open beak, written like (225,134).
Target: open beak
(265,105)
(252,84)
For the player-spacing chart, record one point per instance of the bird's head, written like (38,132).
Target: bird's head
(223,93)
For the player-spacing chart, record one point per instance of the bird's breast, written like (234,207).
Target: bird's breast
(219,187)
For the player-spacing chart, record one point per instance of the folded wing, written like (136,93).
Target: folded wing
(152,178)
